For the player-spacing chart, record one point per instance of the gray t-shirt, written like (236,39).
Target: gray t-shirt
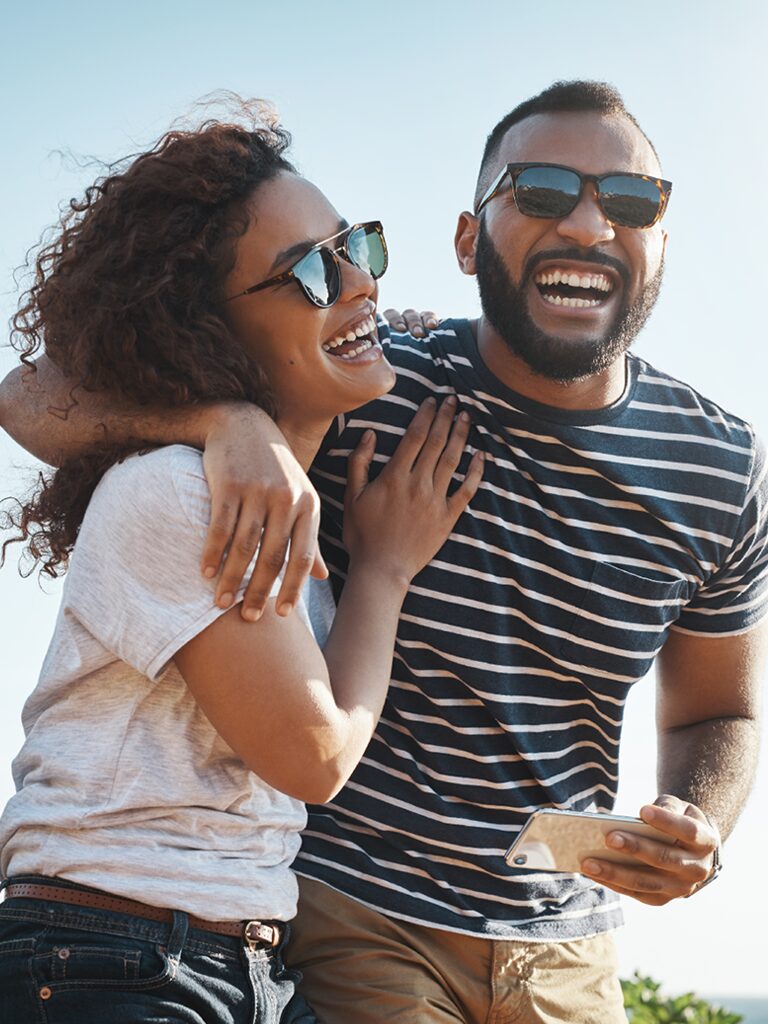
(122,783)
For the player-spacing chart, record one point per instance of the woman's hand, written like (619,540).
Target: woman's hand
(399,522)
(410,320)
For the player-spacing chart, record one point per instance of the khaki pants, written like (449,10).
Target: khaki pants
(361,967)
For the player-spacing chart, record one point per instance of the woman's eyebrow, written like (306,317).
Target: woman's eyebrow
(300,248)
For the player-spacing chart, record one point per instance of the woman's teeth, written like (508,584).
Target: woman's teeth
(361,331)
(356,352)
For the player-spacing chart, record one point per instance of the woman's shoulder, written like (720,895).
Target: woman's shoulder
(161,474)
(163,487)
(155,464)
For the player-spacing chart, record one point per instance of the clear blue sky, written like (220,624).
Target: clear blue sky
(390,106)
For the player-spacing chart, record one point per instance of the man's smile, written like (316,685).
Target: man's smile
(566,287)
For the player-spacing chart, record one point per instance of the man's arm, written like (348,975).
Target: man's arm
(708,722)
(256,484)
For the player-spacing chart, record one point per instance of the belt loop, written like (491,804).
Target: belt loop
(178,936)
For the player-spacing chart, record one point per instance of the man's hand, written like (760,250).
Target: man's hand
(665,872)
(415,323)
(259,494)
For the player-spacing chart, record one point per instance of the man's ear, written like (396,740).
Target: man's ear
(465,242)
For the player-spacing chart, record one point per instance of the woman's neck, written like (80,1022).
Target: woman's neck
(304,439)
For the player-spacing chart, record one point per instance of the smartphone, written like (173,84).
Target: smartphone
(554,840)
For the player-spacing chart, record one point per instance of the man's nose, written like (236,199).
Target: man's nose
(586,225)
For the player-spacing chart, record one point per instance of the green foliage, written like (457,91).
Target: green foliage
(646,1004)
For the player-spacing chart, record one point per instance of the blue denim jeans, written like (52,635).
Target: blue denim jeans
(62,964)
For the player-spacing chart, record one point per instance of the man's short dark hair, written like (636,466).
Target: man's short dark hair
(559,98)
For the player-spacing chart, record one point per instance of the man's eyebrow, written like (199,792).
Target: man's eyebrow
(303,247)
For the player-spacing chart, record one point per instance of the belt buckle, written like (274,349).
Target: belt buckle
(257,934)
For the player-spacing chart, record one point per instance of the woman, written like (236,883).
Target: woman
(169,743)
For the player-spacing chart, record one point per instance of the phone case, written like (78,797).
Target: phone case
(553,840)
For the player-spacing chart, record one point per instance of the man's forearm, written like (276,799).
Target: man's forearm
(53,418)
(711,764)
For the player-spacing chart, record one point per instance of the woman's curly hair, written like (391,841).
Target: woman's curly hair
(128,297)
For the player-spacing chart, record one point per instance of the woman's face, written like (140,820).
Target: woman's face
(291,338)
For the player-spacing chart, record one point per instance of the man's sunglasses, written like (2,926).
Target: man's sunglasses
(549,190)
(318,272)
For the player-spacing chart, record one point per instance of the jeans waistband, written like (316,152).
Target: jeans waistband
(255,934)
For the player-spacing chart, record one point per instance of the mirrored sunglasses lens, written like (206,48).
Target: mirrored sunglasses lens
(367,250)
(630,202)
(318,274)
(547,191)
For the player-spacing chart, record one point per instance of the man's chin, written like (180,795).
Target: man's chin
(564,358)
(568,362)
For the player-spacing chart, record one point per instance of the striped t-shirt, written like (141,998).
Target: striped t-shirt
(593,533)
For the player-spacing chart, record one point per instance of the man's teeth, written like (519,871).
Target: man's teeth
(362,330)
(597,281)
(556,300)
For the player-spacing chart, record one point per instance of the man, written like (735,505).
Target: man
(621,519)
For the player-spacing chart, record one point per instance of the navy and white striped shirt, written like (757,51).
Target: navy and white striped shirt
(592,535)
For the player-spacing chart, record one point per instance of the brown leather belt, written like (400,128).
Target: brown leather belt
(257,934)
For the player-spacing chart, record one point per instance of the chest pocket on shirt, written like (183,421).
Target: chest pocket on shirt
(622,619)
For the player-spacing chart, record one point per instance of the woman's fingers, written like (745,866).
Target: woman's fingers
(434,444)
(452,452)
(419,324)
(413,439)
(359,465)
(467,489)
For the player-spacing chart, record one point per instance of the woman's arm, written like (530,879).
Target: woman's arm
(259,486)
(302,721)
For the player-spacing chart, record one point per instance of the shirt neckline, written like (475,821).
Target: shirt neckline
(539,410)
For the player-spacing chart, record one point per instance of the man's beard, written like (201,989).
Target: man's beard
(561,359)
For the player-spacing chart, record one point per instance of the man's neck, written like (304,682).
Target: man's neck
(595,392)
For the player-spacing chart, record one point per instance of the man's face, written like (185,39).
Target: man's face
(518,258)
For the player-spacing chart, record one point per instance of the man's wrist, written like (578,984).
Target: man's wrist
(717,859)
(224,416)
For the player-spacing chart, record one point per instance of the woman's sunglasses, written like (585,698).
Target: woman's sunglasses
(549,190)
(318,272)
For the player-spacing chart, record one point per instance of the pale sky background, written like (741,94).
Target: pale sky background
(390,106)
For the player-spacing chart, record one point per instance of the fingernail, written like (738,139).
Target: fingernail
(616,840)
(401,328)
(209,572)
(251,614)
(432,322)
(464,417)
(418,332)
(225,600)
(368,437)
(592,867)
(285,608)
(450,399)
(650,813)
(430,401)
